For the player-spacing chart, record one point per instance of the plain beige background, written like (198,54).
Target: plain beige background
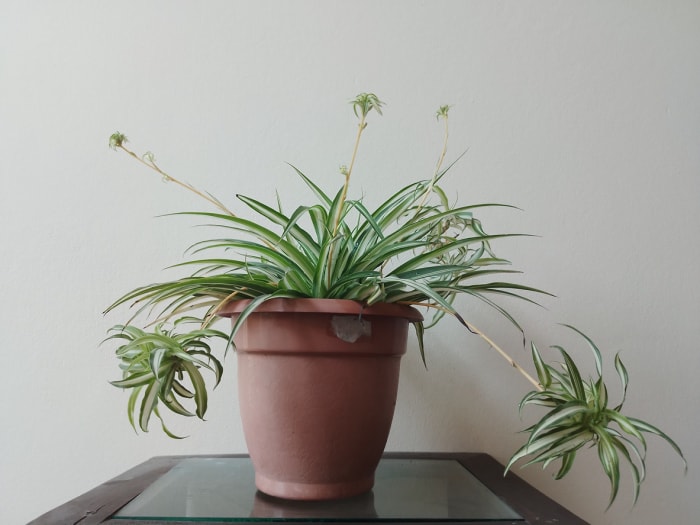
(584,114)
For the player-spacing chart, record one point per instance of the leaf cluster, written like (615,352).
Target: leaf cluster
(162,366)
(414,248)
(578,415)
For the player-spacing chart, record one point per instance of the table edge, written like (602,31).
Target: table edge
(97,505)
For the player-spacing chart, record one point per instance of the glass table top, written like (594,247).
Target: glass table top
(223,489)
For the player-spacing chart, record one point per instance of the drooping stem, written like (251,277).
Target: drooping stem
(507,357)
(473,329)
(117,141)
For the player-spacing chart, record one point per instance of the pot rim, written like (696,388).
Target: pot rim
(321,306)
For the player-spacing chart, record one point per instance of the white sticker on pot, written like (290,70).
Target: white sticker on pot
(350,328)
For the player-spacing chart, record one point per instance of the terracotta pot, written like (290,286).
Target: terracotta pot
(317,383)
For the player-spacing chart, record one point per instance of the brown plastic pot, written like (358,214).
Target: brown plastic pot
(317,384)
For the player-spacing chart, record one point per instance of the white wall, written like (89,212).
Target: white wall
(584,114)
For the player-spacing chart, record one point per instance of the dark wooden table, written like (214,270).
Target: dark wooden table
(101,503)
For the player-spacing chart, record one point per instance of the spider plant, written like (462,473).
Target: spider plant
(409,250)
(415,248)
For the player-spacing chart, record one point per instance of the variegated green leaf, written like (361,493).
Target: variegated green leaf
(543,374)
(624,378)
(148,404)
(200,388)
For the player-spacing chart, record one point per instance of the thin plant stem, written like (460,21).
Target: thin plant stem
(347,172)
(507,357)
(512,362)
(441,114)
(151,164)
(343,196)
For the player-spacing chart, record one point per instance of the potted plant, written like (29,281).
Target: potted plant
(320,302)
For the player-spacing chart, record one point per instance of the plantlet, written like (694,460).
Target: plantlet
(579,415)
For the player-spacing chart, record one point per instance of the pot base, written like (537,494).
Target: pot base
(313,491)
